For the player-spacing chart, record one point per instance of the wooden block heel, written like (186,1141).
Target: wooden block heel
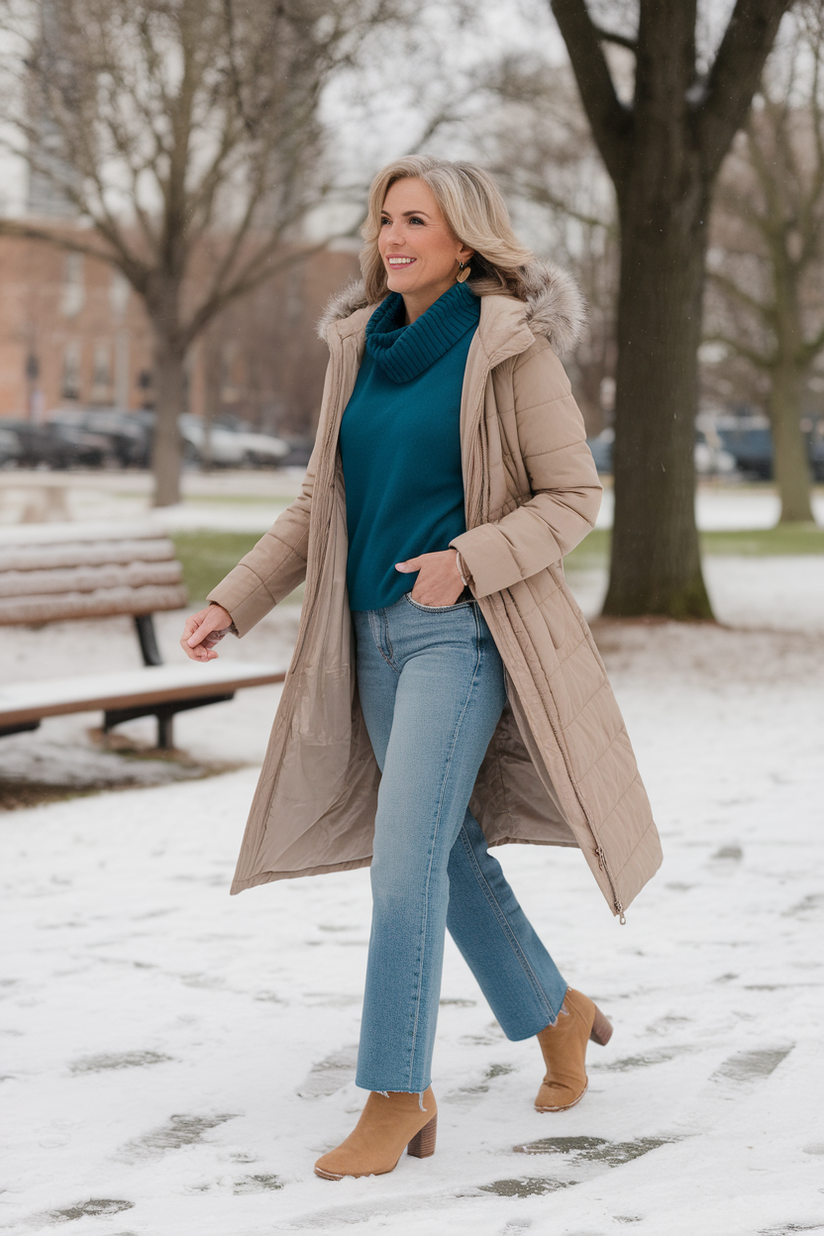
(601,1031)
(423,1143)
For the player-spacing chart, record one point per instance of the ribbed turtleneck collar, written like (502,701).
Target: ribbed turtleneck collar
(404,352)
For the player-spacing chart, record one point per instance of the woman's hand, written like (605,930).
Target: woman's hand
(203,630)
(439,580)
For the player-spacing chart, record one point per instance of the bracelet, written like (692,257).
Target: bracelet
(459,564)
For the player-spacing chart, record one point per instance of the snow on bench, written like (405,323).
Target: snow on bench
(51,573)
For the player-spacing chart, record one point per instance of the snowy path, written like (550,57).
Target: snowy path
(780,594)
(249,501)
(175,1059)
(724,508)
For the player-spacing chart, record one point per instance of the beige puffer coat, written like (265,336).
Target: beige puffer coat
(560,769)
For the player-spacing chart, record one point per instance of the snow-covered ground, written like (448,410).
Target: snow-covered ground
(211,500)
(174,1060)
(725,508)
(777,593)
(245,501)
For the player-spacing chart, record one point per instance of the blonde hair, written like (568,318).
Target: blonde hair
(474,210)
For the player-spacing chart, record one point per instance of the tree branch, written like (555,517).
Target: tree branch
(758,359)
(734,76)
(611,36)
(812,347)
(611,122)
(737,293)
(30,231)
(256,271)
(134,270)
(540,194)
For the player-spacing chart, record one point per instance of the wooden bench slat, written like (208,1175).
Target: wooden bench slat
(85,530)
(28,585)
(102,603)
(77,553)
(28,701)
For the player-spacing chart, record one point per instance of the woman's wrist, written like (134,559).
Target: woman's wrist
(231,624)
(462,571)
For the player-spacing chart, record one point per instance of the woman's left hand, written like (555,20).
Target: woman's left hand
(439,580)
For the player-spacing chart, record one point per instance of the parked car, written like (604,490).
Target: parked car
(131,440)
(228,447)
(262,449)
(817,451)
(127,439)
(601,448)
(711,459)
(57,444)
(10,449)
(299,454)
(749,441)
(224,449)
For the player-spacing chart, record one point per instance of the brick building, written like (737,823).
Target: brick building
(74,335)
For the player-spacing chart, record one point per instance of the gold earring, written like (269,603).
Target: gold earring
(463,273)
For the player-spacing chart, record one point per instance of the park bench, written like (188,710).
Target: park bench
(50,573)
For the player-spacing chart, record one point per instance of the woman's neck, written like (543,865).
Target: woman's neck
(416,306)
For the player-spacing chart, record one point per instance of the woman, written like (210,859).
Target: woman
(445,693)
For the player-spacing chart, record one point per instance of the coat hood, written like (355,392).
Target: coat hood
(553,306)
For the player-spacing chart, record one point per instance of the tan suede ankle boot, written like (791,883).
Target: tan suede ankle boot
(388,1123)
(564,1047)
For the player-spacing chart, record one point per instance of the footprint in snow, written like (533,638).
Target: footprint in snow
(180,1131)
(331,1074)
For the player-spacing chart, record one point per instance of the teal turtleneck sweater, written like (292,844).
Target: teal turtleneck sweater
(400,443)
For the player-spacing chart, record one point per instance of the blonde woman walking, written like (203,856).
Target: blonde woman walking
(445,694)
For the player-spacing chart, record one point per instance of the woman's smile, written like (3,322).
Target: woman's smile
(411,216)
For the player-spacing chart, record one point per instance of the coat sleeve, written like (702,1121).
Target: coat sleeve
(273,567)
(566,492)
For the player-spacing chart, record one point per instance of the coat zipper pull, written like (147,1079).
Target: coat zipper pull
(602,863)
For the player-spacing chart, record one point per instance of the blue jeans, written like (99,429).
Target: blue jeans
(431,687)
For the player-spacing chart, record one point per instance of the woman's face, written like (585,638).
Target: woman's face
(419,251)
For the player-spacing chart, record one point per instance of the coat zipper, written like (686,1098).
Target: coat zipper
(602,863)
(602,858)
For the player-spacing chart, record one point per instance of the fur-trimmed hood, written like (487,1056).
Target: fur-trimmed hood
(554,307)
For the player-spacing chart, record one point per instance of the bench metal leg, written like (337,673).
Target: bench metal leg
(165,731)
(164,714)
(146,634)
(21,728)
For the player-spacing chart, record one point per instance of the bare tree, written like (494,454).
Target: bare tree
(767,250)
(263,359)
(187,133)
(663,148)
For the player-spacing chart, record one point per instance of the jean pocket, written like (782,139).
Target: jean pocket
(436,609)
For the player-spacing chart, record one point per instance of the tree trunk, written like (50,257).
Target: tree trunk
(662,151)
(656,564)
(171,402)
(791,464)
